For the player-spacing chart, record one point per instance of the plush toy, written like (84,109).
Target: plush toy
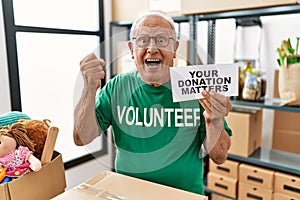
(16,151)
(41,133)
(37,131)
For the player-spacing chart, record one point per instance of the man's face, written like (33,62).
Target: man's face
(153,49)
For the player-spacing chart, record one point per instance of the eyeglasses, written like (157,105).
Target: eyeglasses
(144,40)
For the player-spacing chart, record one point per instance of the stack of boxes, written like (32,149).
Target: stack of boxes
(223,179)
(255,182)
(286,187)
(235,180)
(242,181)
(246,125)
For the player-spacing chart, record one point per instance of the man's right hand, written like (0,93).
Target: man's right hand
(85,122)
(92,71)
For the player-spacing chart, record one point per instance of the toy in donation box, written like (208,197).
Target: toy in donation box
(28,162)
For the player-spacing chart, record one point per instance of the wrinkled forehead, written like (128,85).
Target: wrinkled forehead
(153,31)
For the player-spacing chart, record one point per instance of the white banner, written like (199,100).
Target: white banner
(188,82)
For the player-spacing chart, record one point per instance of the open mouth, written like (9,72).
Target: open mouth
(152,62)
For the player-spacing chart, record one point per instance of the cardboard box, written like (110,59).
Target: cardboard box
(203,6)
(246,130)
(263,178)
(172,7)
(278,196)
(229,168)
(110,185)
(247,191)
(130,9)
(222,184)
(286,129)
(287,184)
(44,184)
(215,196)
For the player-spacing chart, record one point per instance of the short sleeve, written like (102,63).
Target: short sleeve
(103,107)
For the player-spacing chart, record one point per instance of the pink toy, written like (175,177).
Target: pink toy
(16,151)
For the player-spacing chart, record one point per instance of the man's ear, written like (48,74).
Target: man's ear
(130,46)
(176,45)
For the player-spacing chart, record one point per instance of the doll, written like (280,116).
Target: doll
(16,151)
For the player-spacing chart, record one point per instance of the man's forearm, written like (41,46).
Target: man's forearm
(217,141)
(85,122)
(219,150)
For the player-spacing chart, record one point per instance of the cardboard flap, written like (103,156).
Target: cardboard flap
(44,184)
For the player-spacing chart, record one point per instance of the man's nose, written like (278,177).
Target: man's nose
(152,42)
(152,47)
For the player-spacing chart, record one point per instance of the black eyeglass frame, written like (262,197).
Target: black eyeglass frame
(154,37)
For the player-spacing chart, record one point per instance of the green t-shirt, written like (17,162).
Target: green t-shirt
(156,139)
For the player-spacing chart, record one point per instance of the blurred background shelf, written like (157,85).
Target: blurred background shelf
(272,159)
(268,103)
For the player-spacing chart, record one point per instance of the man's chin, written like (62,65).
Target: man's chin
(157,83)
(155,78)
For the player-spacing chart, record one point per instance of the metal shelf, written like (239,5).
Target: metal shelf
(268,103)
(272,159)
(256,12)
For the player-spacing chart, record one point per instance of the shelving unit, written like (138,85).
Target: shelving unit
(269,103)
(272,159)
(263,157)
(257,12)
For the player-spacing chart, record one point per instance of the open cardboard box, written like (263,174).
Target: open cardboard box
(110,185)
(44,184)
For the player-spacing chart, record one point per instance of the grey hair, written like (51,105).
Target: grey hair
(152,13)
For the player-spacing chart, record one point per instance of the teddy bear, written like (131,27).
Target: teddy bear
(37,131)
(16,152)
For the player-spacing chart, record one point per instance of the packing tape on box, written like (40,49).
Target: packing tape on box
(99,192)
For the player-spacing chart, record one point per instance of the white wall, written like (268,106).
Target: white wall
(4,84)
